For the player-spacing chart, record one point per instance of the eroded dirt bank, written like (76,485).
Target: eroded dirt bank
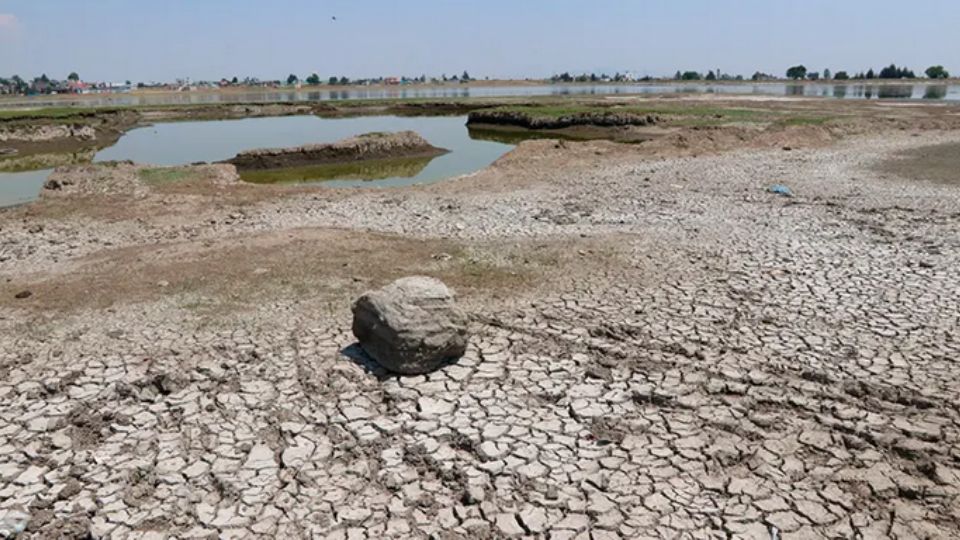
(366,147)
(592,118)
(662,348)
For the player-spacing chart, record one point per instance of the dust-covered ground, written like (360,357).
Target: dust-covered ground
(661,349)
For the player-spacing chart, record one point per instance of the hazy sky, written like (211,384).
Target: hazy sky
(206,39)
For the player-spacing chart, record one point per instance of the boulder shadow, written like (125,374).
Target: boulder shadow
(358,356)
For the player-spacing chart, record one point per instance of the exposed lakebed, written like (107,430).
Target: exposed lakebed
(180,143)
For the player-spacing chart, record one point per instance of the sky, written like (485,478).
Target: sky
(115,40)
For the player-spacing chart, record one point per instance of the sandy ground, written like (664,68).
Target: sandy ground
(661,349)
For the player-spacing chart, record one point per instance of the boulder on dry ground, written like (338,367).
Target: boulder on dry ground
(412,326)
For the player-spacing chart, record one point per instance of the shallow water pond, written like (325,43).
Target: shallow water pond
(182,143)
(21,187)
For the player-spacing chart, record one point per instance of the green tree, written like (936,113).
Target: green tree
(813,76)
(292,79)
(677,76)
(73,76)
(313,79)
(797,72)
(235,81)
(332,80)
(937,72)
(344,81)
(465,76)
(894,72)
(870,74)
(841,76)
(691,76)
(711,76)
(827,74)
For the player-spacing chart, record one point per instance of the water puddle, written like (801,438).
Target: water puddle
(181,143)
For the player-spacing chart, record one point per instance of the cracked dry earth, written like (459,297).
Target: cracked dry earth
(746,366)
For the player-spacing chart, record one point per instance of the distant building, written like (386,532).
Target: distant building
(391,80)
(78,87)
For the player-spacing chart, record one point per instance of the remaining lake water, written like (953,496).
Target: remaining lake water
(181,143)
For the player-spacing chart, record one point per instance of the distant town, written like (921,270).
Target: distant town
(74,84)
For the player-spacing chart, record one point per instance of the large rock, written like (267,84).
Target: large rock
(411,326)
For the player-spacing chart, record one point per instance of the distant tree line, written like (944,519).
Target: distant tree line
(314,79)
(798,73)
(710,76)
(566,77)
(890,72)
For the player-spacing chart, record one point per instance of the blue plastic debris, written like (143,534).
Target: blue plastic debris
(12,523)
(781,190)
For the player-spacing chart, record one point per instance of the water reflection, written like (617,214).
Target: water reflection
(840,91)
(821,88)
(935,92)
(895,91)
(795,89)
(506,135)
(365,171)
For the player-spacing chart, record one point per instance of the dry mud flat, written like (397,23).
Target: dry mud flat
(662,349)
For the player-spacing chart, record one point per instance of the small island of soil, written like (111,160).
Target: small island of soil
(369,146)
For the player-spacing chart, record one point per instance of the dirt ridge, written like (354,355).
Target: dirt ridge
(377,145)
(521,119)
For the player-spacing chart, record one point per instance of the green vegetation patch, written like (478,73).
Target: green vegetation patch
(164,175)
(674,114)
(558,110)
(33,162)
(52,113)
